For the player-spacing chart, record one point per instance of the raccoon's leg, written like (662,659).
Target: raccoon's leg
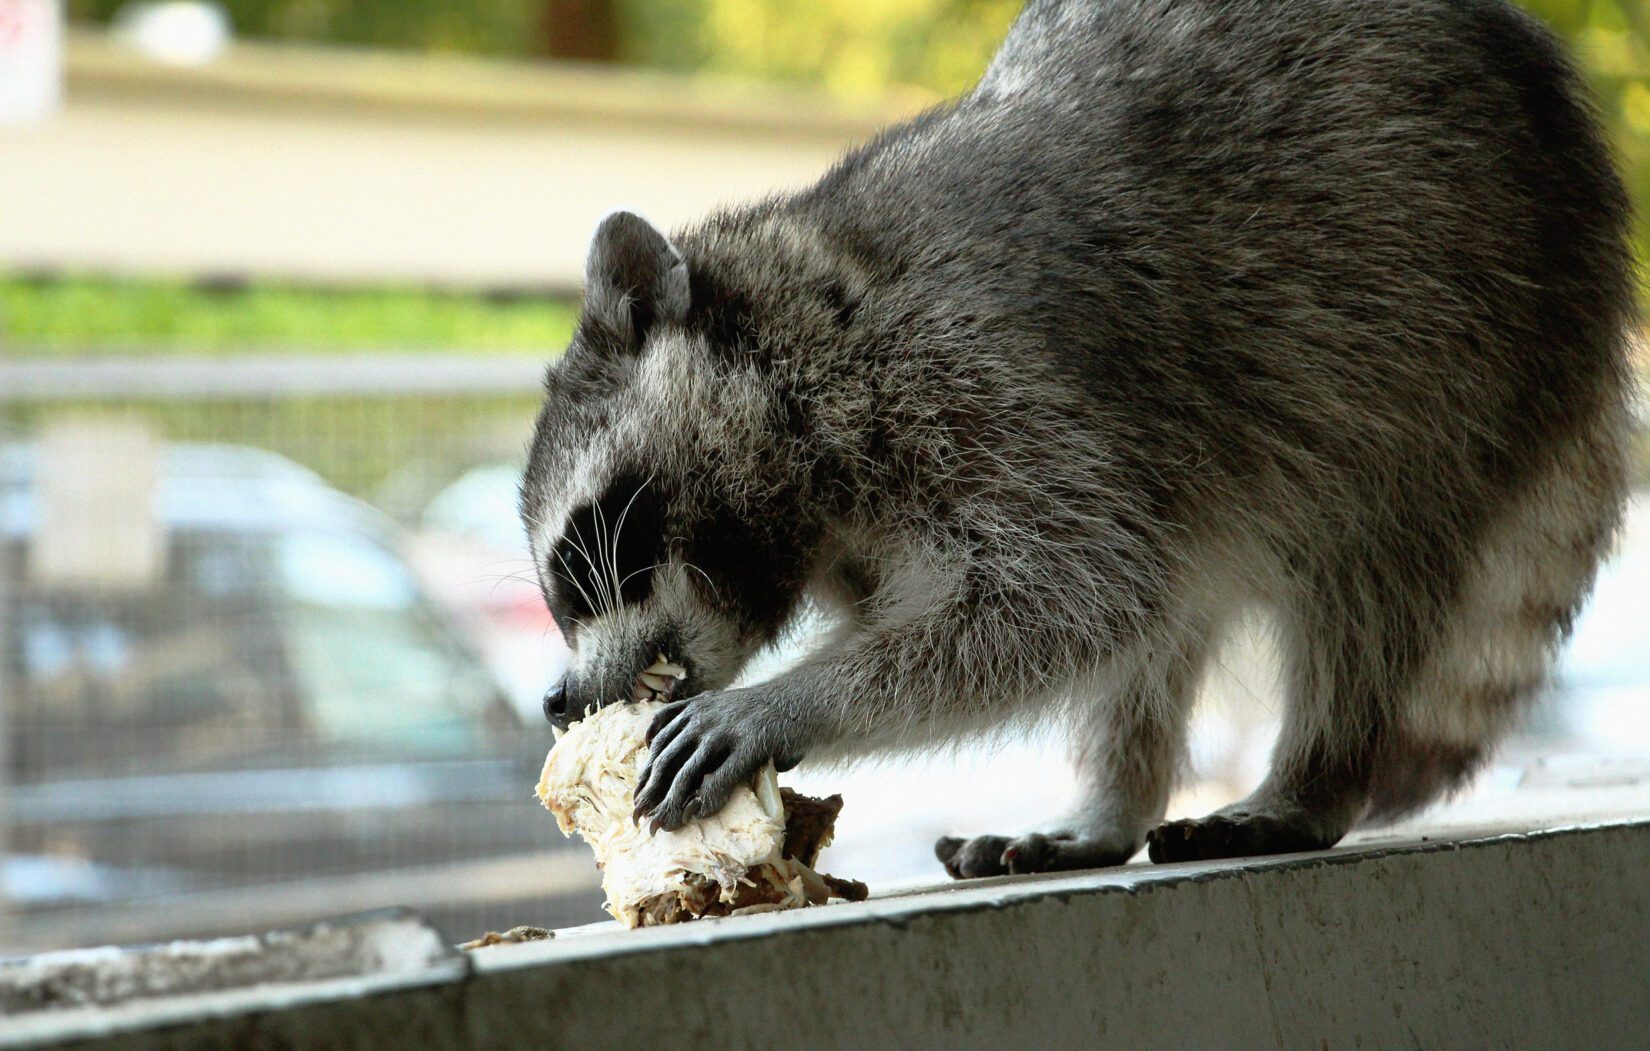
(1321,765)
(941,663)
(1126,747)
(1383,721)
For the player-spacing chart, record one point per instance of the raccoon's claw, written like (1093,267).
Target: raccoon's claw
(1034,852)
(663,760)
(1234,833)
(701,751)
(657,735)
(971,858)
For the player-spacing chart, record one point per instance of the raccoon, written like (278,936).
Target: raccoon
(1188,308)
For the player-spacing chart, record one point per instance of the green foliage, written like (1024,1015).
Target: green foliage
(850,47)
(89,315)
(1611,39)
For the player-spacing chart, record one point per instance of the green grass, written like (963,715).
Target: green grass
(80,315)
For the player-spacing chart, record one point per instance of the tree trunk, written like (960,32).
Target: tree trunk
(582,30)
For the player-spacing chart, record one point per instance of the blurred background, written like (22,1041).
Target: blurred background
(278,281)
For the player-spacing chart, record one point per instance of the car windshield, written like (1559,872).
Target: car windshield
(376,672)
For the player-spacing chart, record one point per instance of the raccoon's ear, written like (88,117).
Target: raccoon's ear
(633,278)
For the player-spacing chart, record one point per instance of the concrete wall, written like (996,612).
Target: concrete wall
(1524,940)
(346,166)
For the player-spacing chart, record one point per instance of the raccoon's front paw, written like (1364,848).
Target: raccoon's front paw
(702,749)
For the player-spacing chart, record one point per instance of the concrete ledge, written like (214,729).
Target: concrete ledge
(337,166)
(1530,940)
(463,88)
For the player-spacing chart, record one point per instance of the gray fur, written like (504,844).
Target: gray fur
(1191,306)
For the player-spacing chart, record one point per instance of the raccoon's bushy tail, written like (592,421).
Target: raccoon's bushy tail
(1526,585)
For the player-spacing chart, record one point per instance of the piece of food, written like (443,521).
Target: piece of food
(513,936)
(757,855)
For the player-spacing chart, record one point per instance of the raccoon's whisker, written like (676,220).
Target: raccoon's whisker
(499,579)
(595,573)
(639,572)
(602,569)
(714,590)
(607,548)
(560,575)
(568,577)
(618,530)
(571,579)
(689,565)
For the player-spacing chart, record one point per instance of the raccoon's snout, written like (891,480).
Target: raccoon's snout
(556,706)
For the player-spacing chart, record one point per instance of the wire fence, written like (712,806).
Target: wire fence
(270,647)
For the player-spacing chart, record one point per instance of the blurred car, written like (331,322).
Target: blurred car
(262,734)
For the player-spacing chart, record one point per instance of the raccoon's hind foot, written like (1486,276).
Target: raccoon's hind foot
(1036,852)
(1237,833)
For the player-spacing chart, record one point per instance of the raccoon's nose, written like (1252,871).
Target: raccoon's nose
(555,704)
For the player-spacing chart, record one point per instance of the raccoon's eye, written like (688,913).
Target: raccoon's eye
(609,549)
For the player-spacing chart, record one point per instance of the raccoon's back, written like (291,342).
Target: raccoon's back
(1293,155)
(1364,228)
